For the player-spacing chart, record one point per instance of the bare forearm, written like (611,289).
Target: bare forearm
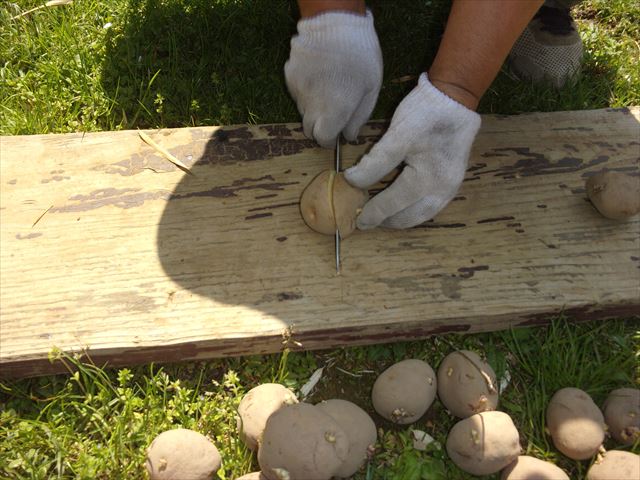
(476,41)
(309,8)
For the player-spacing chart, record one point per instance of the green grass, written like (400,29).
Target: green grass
(96,65)
(610,77)
(164,63)
(96,424)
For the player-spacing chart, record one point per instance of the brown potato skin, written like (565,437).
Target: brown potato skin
(315,206)
(622,415)
(404,391)
(531,468)
(616,195)
(575,423)
(316,209)
(484,443)
(182,454)
(257,406)
(304,441)
(360,430)
(616,465)
(461,387)
(347,201)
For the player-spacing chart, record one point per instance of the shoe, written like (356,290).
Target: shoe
(549,49)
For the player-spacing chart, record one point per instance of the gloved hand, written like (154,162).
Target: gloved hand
(334,74)
(432,134)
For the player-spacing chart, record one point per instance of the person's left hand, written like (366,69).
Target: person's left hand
(432,134)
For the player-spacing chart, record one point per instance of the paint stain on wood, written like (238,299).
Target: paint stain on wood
(278,130)
(279,297)
(548,245)
(284,296)
(124,198)
(271,207)
(532,163)
(432,224)
(28,236)
(137,163)
(266,182)
(55,178)
(468,272)
(258,215)
(495,219)
(576,129)
(240,145)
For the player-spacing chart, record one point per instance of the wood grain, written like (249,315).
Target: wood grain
(136,261)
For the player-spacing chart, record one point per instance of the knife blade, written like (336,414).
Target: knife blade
(337,240)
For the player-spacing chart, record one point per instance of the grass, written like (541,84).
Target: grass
(96,423)
(96,65)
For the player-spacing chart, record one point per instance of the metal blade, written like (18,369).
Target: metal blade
(337,232)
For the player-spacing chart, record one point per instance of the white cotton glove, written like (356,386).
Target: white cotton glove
(334,74)
(432,134)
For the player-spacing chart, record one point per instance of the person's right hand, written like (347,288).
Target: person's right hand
(431,134)
(334,74)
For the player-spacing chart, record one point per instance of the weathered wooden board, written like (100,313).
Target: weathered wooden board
(135,261)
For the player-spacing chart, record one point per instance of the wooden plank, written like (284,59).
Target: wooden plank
(136,261)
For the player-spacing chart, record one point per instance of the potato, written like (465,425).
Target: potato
(256,406)
(404,391)
(616,465)
(316,203)
(252,476)
(622,415)
(182,454)
(467,384)
(329,203)
(616,195)
(360,430)
(484,443)
(530,468)
(575,423)
(301,442)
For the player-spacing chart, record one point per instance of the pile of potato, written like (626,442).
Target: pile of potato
(334,438)
(578,428)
